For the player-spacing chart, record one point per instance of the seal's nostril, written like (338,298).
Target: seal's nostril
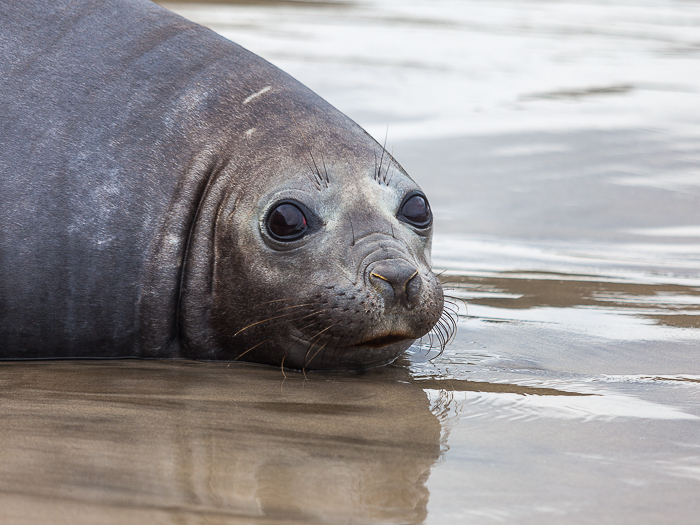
(396,280)
(413,287)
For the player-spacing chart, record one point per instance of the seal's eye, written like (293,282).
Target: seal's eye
(287,222)
(416,211)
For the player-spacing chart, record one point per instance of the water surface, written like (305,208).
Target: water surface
(558,143)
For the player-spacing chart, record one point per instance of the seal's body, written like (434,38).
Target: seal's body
(166,193)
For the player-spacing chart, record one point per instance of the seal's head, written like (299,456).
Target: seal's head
(321,250)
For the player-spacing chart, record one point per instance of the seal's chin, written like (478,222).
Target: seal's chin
(377,351)
(385,340)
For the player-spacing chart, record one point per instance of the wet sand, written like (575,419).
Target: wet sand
(558,143)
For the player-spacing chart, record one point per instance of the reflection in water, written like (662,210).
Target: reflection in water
(147,441)
(667,304)
(456,385)
(101,442)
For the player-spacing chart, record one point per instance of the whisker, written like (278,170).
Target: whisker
(263,321)
(251,348)
(296,306)
(445,329)
(314,343)
(440,333)
(450,307)
(317,351)
(311,178)
(388,180)
(317,172)
(449,300)
(451,318)
(381,160)
(281,316)
(304,328)
(319,333)
(273,301)
(391,158)
(447,332)
(335,349)
(312,313)
(325,170)
(376,172)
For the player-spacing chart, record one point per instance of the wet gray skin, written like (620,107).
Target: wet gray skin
(142,185)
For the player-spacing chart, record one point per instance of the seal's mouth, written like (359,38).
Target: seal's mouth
(385,340)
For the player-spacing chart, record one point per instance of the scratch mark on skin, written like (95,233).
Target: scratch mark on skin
(255,95)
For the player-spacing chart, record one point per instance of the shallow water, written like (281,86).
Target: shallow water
(558,143)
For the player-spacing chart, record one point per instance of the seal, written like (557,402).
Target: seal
(167,193)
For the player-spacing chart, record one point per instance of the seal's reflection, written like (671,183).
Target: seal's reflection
(116,441)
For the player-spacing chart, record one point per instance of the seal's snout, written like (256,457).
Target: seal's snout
(396,280)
